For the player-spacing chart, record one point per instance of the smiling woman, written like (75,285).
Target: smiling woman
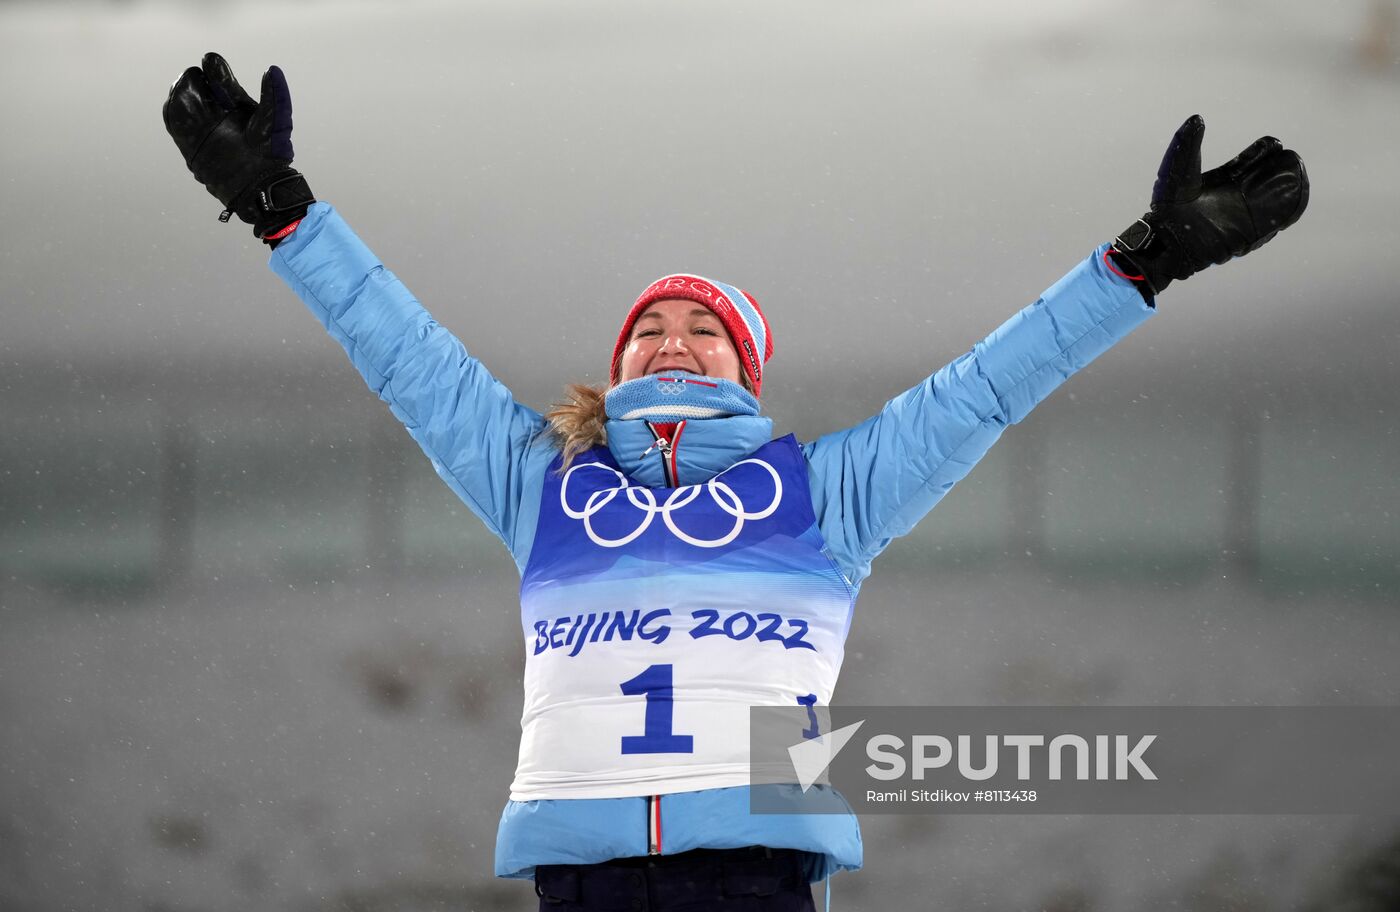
(666,331)
(676,335)
(663,504)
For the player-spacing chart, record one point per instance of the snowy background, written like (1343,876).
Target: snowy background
(254,655)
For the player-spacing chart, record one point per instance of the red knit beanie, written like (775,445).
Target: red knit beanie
(736,309)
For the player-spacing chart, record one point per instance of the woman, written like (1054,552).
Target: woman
(678,564)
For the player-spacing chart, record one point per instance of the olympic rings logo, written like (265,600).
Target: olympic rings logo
(644,499)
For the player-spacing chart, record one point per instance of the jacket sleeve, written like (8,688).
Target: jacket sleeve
(874,482)
(476,435)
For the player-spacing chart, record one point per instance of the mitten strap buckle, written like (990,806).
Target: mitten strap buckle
(296,195)
(1137,236)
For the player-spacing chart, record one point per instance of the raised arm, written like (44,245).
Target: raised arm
(478,438)
(873,482)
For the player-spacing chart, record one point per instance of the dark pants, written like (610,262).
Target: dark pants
(734,880)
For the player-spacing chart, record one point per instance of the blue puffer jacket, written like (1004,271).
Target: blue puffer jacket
(869,484)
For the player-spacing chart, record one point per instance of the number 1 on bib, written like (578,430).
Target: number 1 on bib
(655,682)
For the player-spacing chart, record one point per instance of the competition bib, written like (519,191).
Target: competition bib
(654,617)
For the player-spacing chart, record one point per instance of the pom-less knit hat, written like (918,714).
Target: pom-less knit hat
(736,309)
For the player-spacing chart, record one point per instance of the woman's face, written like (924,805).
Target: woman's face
(679,335)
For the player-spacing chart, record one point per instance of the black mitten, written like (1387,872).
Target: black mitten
(1197,220)
(239,149)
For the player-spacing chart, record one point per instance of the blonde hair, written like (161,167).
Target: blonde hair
(580,423)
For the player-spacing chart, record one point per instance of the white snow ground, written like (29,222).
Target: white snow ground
(350,746)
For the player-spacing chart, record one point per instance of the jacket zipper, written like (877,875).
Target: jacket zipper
(671,471)
(653,824)
(669,466)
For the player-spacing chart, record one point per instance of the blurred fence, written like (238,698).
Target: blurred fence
(113,494)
